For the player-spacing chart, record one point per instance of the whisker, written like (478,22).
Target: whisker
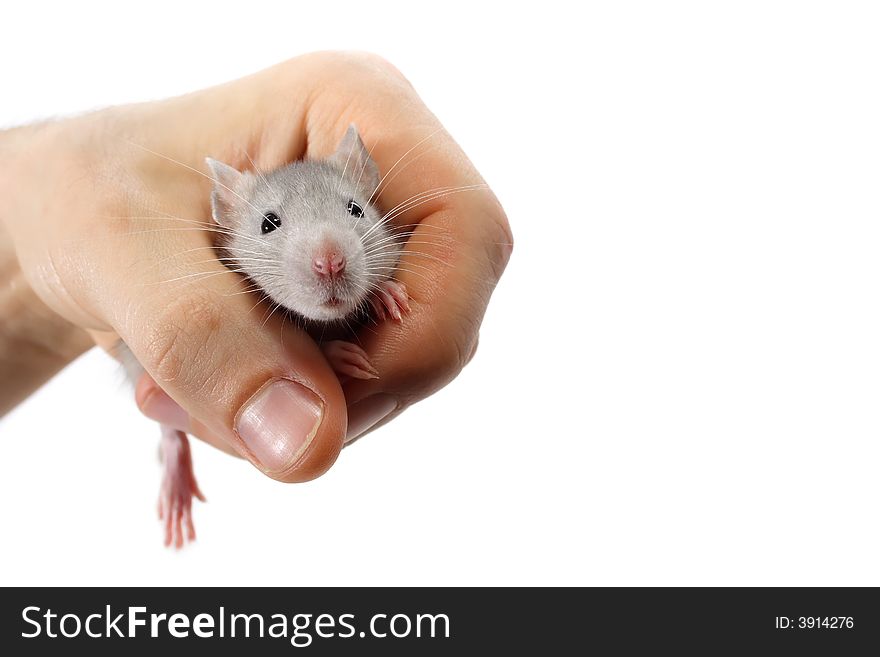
(201,173)
(433,197)
(394,166)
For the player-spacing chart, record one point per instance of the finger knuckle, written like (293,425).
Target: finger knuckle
(473,350)
(370,61)
(446,359)
(500,239)
(180,337)
(358,64)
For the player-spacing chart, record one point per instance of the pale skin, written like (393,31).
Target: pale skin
(90,205)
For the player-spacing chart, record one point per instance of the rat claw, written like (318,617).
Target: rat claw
(378,308)
(391,304)
(355,372)
(348,359)
(391,296)
(361,361)
(398,292)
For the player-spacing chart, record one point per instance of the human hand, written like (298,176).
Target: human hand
(108,217)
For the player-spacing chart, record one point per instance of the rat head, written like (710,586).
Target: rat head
(306,233)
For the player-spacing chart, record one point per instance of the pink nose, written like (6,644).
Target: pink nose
(328,265)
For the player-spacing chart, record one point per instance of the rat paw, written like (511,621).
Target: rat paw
(391,297)
(179,486)
(348,359)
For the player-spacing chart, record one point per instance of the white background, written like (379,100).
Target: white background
(679,376)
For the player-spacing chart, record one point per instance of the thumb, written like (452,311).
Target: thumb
(261,388)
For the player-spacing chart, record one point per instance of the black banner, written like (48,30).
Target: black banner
(439,621)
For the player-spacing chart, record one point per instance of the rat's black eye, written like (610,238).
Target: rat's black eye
(355,210)
(270,222)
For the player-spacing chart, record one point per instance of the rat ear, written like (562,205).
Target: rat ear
(354,159)
(224,194)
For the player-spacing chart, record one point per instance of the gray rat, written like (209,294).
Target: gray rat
(310,237)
